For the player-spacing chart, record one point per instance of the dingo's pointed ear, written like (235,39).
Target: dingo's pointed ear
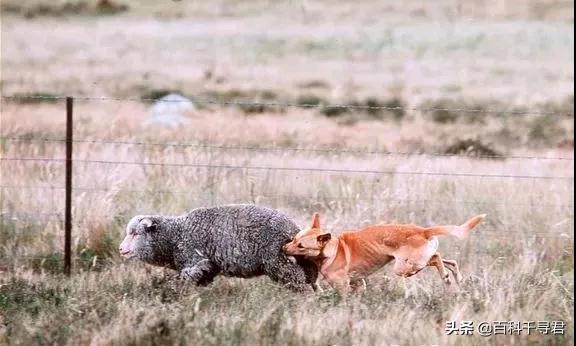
(324,238)
(316,221)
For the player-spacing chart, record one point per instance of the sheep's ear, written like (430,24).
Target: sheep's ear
(149,225)
(324,238)
(316,221)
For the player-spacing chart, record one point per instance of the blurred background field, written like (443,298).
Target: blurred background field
(459,108)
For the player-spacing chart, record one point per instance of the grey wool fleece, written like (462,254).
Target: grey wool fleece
(235,240)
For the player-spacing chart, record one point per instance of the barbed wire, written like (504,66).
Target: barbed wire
(12,213)
(285,169)
(58,216)
(294,149)
(290,196)
(29,217)
(55,258)
(492,234)
(284,104)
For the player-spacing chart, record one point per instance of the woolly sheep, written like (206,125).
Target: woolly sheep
(233,240)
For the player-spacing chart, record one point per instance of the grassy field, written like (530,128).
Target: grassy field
(488,55)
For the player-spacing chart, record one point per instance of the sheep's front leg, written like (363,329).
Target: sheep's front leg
(201,273)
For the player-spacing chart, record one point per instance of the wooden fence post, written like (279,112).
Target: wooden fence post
(68,202)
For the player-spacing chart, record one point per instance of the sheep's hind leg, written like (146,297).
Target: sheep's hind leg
(358,285)
(311,272)
(289,274)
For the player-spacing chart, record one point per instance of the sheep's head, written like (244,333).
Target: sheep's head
(139,241)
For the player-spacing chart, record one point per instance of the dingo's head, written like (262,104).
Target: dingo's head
(309,243)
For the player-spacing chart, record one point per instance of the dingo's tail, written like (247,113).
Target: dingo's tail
(457,231)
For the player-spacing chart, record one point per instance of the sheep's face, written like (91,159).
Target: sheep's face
(138,242)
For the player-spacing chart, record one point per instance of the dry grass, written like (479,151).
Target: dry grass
(518,265)
(226,45)
(126,305)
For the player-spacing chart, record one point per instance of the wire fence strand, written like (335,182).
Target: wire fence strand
(288,104)
(285,149)
(319,197)
(289,169)
(59,217)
